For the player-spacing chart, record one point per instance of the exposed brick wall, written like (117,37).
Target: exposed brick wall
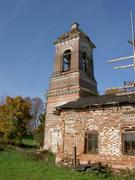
(65,130)
(69,85)
(108,122)
(52,121)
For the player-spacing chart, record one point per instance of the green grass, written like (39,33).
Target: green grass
(25,164)
(29,141)
(18,165)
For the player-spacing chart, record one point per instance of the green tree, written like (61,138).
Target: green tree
(14,118)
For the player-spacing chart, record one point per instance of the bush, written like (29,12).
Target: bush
(4,141)
(129,173)
(46,156)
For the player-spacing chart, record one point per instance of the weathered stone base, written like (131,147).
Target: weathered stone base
(114,162)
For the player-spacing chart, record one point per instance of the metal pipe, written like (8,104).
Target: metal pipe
(120,59)
(133,39)
(122,67)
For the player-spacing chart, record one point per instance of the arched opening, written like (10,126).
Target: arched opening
(66,60)
(84,62)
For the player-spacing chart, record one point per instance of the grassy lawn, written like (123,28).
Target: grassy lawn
(18,165)
(25,164)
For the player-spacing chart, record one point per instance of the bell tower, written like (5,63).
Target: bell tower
(72,78)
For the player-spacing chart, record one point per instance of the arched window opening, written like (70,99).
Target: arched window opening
(91,142)
(128,142)
(84,64)
(66,60)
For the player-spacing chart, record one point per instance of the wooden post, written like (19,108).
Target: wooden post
(74,156)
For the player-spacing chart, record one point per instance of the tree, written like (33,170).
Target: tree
(37,108)
(14,117)
(39,133)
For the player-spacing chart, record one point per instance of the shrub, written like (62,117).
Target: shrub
(46,156)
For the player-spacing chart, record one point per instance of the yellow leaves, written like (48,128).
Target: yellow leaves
(14,115)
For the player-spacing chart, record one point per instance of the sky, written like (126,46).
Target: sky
(28,29)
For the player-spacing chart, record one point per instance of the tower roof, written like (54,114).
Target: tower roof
(73,33)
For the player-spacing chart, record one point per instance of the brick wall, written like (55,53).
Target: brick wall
(108,122)
(53,132)
(64,87)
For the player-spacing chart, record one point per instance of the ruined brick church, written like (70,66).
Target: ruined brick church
(102,128)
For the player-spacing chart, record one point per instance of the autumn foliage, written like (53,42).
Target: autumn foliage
(14,118)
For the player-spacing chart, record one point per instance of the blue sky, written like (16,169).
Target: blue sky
(28,29)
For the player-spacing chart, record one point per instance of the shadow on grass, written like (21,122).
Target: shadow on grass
(28,146)
(28,142)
